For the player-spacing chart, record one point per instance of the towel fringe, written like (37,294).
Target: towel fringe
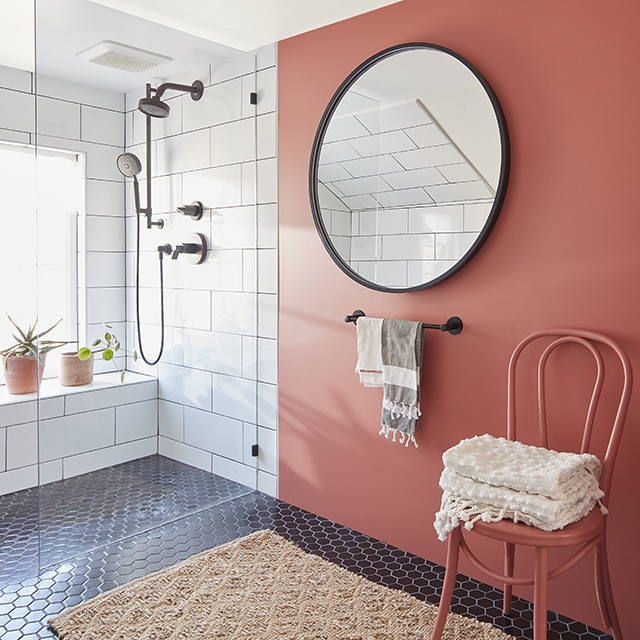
(456,510)
(403,438)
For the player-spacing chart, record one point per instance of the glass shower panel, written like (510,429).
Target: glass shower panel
(161,436)
(18,299)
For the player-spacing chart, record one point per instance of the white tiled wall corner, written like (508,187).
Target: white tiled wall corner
(190,387)
(136,421)
(268,483)
(102,125)
(105,198)
(185,454)
(171,420)
(235,471)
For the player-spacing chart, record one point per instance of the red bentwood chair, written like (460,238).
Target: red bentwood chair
(586,534)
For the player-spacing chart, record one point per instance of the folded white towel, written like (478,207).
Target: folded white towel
(522,467)
(487,478)
(369,337)
(466,501)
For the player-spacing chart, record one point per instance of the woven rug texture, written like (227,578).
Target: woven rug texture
(261,587)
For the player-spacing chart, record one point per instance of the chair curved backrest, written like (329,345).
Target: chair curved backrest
(594,343)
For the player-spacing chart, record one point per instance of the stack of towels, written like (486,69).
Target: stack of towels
(390,356)
(487,478)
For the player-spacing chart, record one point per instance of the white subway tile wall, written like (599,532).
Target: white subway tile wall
(80,429)
(216,393)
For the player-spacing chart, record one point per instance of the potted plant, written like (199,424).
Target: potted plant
(76,367)
(23,362)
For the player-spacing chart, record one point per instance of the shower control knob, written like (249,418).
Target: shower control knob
(197,249)
(193,210)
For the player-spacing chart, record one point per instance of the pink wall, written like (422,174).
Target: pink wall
(563,252)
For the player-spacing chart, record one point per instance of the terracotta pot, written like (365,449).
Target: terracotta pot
(73,371)
(23,374)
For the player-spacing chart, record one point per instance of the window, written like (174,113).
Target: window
(41,195)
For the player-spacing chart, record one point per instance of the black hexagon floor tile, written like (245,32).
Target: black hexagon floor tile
(143,516)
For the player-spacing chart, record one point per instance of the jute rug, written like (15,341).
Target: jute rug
(261,587)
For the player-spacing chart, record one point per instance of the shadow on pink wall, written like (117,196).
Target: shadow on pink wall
(563,253)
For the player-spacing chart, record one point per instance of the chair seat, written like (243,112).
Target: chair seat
(579,532)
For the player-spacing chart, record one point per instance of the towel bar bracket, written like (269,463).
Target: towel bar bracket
(453,325)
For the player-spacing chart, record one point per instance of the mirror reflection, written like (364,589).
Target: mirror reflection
(409,168)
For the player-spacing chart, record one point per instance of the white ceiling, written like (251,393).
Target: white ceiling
(191,32)
(245,24)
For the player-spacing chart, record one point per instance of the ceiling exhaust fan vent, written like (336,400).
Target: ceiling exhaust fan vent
(122,57)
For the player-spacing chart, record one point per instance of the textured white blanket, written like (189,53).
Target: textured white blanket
(507,463)
(487,478)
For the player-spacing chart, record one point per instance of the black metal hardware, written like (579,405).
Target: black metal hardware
(197,248)
(253,98)
(254,450)
(453,325)
(193,210)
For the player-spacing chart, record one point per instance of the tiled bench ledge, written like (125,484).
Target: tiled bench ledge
(81,429)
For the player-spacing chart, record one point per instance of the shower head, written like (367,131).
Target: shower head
(154,107)
(129,165)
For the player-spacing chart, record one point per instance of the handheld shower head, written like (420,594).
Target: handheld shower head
(129,165)
(156,108)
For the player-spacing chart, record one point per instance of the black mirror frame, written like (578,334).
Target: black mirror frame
(317,146)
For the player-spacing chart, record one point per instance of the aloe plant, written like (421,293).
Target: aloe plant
(30,343)
(107,346)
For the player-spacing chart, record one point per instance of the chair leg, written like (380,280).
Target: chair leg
(541,579)
(509,556)
(453,553)
(604,591)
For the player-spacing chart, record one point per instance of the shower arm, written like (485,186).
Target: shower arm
(193,89)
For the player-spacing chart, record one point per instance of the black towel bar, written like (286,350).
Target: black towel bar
(453,324)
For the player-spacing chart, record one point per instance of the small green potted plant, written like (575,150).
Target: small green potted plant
(107,346)
(23,362)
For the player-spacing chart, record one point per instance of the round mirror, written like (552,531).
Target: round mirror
(409,168)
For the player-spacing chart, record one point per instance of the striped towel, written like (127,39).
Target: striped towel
(390,356)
